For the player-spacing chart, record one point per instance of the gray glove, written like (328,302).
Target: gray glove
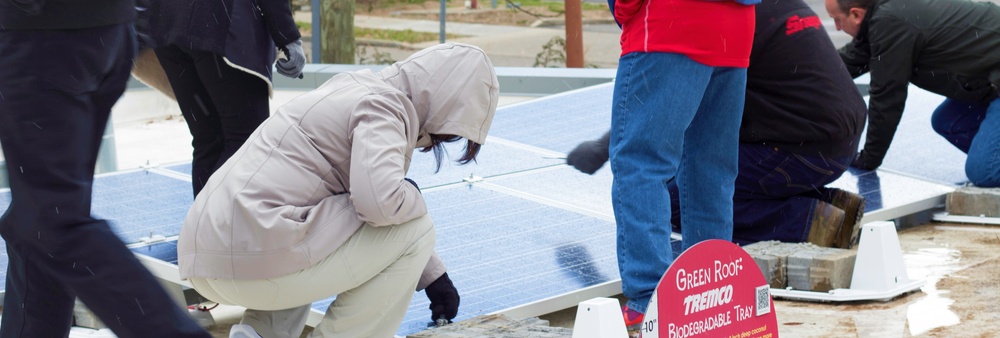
(294,61)
(589,156)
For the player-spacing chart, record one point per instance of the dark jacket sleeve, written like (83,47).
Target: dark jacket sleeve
(279,20)
(856,56)
(31,7)
(891,65)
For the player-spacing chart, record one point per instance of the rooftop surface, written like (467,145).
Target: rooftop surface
(959,262)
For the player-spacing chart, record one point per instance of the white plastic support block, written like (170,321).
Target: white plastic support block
(599,318)
(879,265)
(879,270)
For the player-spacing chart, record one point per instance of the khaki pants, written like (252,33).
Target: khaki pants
(373,275)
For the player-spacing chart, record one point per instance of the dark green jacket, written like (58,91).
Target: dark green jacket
(949,47)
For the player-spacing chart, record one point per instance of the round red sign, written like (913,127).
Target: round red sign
(714,289)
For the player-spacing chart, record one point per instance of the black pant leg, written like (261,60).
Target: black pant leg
(241,100)
(58,88)
(222,105)
(198,109)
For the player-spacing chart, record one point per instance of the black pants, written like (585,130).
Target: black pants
(776,193)
(221,104)
(57,88)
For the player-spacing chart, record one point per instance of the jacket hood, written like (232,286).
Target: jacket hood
(453,87)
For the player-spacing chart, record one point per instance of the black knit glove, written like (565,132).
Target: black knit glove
(444,298)
(589,156)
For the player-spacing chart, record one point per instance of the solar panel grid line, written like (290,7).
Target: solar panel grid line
(182,167)
(185,176)
(489,265)
(549,202)
(543,152)
(557,122)
(607,86)
(486,259)
(494,159)
(465,241)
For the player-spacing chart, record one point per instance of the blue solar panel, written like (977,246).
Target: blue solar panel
(565,185)
(503,250)
(140,204)
(557,122)
(496,157)
(887,190)
(183,168)
(136,204)
(532,228)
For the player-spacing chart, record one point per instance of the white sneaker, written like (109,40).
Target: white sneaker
(243,331)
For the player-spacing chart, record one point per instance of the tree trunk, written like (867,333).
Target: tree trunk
(574,34)
(337,36)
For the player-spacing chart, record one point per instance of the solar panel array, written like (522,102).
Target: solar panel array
(518,226)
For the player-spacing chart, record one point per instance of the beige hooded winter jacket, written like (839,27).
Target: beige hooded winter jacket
(333,160)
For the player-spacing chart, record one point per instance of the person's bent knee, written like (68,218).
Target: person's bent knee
(424,232)
(983,173)
(941,124)
(946,115)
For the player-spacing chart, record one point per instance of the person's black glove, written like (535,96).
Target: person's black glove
(860,162)
(444,298)
(589,156)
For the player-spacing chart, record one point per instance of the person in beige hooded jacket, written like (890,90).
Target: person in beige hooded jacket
(316,203)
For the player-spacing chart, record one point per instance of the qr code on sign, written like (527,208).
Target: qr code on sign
(763,293)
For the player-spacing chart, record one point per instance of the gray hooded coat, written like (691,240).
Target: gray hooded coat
(334,160)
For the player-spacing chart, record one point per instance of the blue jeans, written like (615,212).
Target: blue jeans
(776,193)
(973,128)
(672,119)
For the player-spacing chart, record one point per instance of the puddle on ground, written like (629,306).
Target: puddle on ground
(933,310)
